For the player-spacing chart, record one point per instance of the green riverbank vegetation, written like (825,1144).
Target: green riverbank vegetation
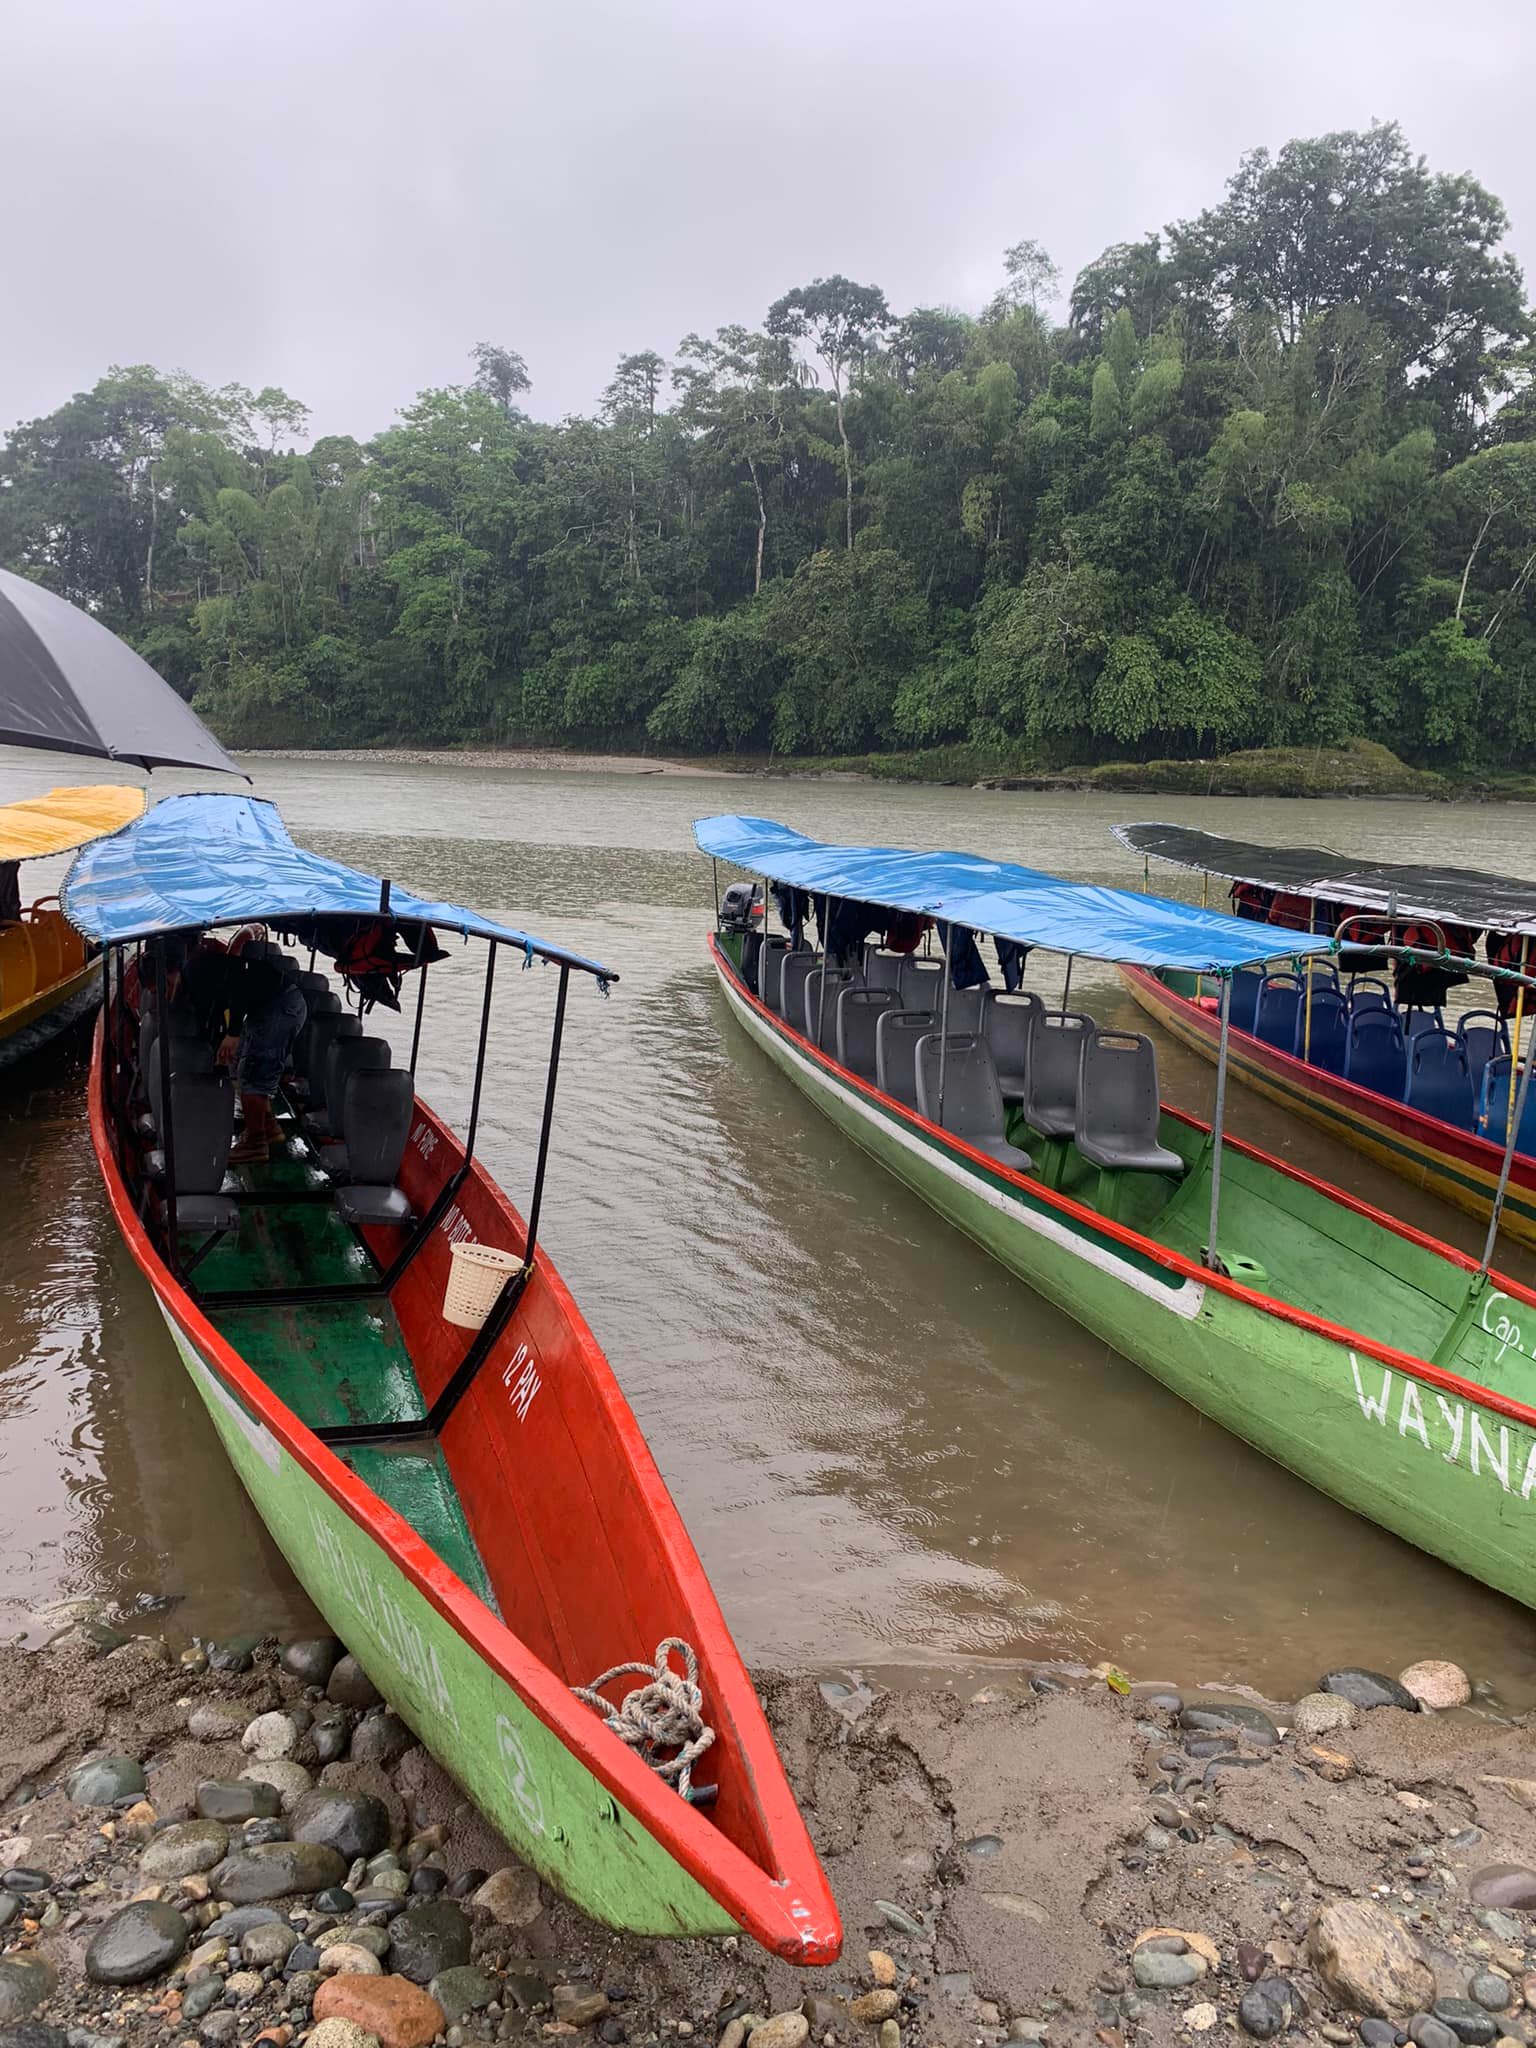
(1270,484)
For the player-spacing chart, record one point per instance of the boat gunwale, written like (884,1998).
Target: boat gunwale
(718,1865)
(1177,1262)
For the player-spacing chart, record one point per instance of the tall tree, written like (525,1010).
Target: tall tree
(843,321)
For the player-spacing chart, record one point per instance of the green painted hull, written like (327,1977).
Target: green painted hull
(1438,1468)
(551,1809)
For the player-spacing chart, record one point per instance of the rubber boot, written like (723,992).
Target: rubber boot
(261,1129)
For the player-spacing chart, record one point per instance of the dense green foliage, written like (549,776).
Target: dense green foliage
(1273,482)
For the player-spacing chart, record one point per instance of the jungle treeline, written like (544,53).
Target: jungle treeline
(1272,481)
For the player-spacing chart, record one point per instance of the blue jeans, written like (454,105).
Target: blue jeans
(267,1039)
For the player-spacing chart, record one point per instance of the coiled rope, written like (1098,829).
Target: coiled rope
(666,1713)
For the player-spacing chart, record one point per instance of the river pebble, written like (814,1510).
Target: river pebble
(510,1896)
(26,1980)
(429,1938)
(783,2030)
(1508,1885)
(270,1737)
(312,1660)
(1219,1716)
(274,1869)
(380,1738)
(1368,1960)
(138,1941)
(352,1823)
(210,1721)
(350,1686)
(235,1799)
(464,1989)
(288,1779)
(1493,1992)
(1367,1689)
(266,1947)
(1322,1713)
(103,1780)
(1156,1970)
(1427,2032)
(185,1848)
(1268,2008)
(874,2006)
(348,1959)
(1468,2021)
(1436,1684)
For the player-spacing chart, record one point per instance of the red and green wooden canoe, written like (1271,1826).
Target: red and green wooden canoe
(1455,1164)
(1366,1357)
(480,1574)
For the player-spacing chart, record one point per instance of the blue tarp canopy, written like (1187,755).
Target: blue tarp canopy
(1012,902)
(196,861)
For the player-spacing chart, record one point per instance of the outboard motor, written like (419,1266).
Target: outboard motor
(739,907)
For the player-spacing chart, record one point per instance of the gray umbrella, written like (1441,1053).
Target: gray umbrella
(68,684)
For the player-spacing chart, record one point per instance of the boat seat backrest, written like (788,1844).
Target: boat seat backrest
(18,969)
(1377,1058)
(188,1056)
(920,985)
(796,969)
(1493,1105)
(1008,1025)
(1481,1034)
(1322,1039)
(772,968)
(1279,1007)
(821,1022)
(973,1101)
(1416,1022)
(751,952)
(314,1042)
(1119,1109)
(882,969)
(896,1035)
(1244,1000)
(346,1057)
(859,1010)
(1055,1061)
(1440,1079)
(202,1129)
(966,1010)
(377,1112)
(47,950)
(1366,994)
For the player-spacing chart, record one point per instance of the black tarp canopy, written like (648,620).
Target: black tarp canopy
(69,685)
(1465,896)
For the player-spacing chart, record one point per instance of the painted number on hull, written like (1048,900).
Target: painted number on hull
(515,1769)
(520,1377)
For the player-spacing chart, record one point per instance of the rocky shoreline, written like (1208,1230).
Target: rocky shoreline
(246,1846)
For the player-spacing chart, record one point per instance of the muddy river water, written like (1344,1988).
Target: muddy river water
(891,1456)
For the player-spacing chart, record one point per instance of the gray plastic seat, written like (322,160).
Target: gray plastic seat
(965,1010)
(313,1044)
(189,1055)
(1008,1026)
(824,1020)
(202,1126)
(347,1056)
(896,1035)
(376,1113)
(921,984)
(1055,1054)
(1118,1107)
(973,1102)
(859,1010)
(882,969)
(792,979)
(771,971)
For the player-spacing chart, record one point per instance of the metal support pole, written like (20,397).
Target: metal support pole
(1219,1120)
(421,1000)
(485,1027)
(826,968)
(1516,1118)
(1066,985)
(949,942)
(715,866)
(167,1132)
(553,1075)
(1514,1051)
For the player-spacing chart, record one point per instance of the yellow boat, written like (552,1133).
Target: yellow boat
(48,979)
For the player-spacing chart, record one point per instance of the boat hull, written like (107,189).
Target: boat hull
(569,1799)
(29,1026)
(1414,1448)
(1456,1165)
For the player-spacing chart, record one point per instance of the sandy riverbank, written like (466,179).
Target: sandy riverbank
(490,757)
(1007,1851)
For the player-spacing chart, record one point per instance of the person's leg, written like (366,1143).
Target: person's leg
(264,1050)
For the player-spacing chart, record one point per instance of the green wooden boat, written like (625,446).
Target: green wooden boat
(1384,1367)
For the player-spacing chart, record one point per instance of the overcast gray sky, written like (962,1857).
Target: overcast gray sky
(342,196)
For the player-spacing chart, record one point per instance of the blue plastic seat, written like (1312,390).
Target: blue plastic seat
(1481,1034)
(1493,1108)
(1325,1042)
(1244,1000)
(1376,1058)
(1416,1022)
(1278,1009)
(1366,993)
(1440,1080)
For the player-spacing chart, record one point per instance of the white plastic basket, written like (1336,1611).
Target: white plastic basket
(475,1278)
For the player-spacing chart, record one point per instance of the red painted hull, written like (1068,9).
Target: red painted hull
(586,1553)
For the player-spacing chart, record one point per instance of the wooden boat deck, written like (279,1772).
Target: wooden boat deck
(337,1362)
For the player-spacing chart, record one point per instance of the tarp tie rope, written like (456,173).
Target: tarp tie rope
(666,1713)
